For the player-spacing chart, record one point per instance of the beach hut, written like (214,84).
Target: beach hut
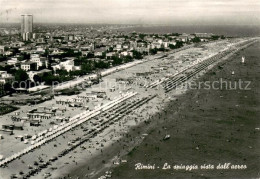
(34,137)
(20,137)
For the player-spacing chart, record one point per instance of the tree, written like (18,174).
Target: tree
(3,58)
(171,46)
(87,66)
(49,78)
(90,55)
(24,56)
(137,55)
(8,87)
(161,49)
(37,79)
(179,44)
(141,36)
(78,62)
(196,40)
(21,75)
(101,64)
(15,50)
(215,37)
(22,80)
(62,72)
(153,51)
(76,73)
(117,60)
(128,59)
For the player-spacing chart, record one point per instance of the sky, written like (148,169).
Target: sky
(167,12)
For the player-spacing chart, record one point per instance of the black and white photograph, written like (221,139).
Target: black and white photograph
(129,89)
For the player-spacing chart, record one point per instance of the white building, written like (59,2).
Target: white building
(31,74)
(41,61)
(126,53)
(28,66)
(26,26)
(67,65)
(5,77)
(12,61)
(118,47)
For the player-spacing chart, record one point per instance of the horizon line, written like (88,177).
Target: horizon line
(83,23)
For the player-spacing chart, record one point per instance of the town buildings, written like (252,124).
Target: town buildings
(60,53)
(28,66)
(204,35)
(67,65)
(5,78)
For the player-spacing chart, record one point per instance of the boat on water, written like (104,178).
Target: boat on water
(166,137)
(243,59)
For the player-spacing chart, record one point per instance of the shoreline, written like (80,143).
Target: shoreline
(94,150)
(186,100)
(75,172)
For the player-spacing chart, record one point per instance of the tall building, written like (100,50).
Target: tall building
(26,26)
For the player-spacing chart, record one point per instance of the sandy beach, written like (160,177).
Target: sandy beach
(93,157)
(206,127)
